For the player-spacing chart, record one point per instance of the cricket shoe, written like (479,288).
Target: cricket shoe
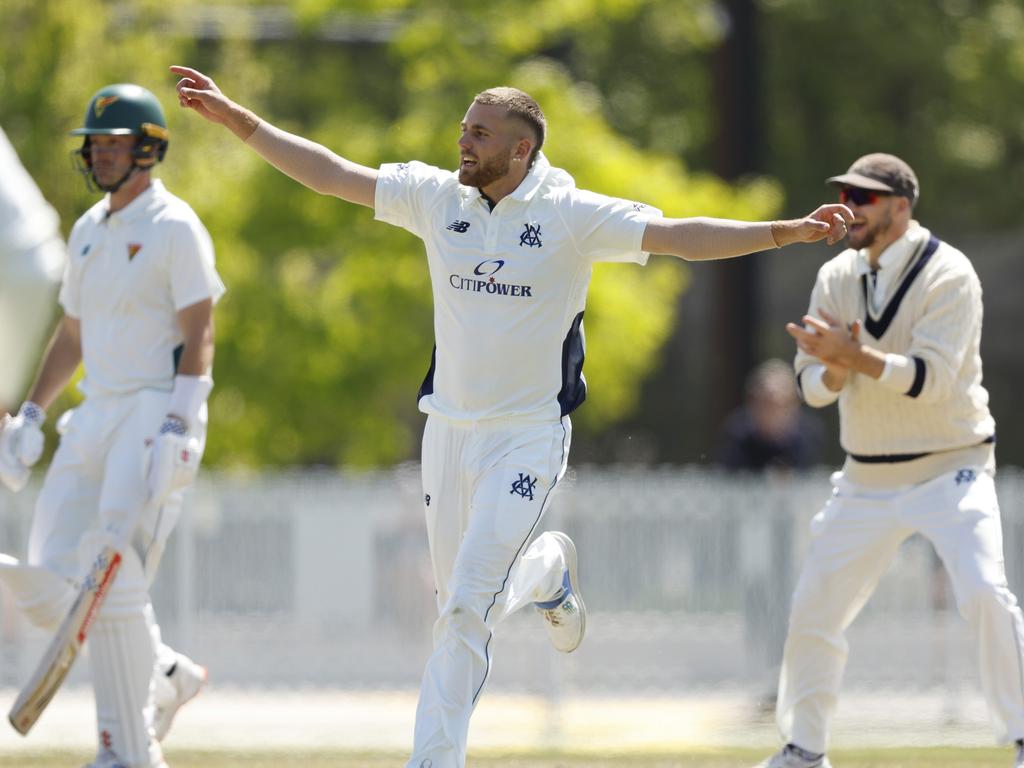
(173,690)
(1019,760)
(565,615)
(791,756)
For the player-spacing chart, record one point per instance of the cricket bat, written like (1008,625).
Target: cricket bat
(63,649)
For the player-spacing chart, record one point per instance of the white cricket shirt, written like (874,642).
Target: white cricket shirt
(509,285)
(128,275)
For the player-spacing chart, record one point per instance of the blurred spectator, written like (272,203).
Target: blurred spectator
(770,430)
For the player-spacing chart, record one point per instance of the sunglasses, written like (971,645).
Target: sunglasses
(860,196)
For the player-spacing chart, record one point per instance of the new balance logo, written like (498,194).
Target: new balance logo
(966,476)
(458,226)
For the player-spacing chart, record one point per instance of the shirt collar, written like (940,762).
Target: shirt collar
(139,204)
(895,257)
(541,174)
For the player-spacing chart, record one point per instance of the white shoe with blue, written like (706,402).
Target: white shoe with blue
(565,615)
(791,756)
(173,690)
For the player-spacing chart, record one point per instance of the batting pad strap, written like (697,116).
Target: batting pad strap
(188,397)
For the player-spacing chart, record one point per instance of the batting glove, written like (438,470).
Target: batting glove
(21,444)
(172,460)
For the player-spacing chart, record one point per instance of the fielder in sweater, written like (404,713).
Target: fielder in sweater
(893,334)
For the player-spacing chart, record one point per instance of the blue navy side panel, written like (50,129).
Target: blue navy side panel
(574,389)
(919,373)
(427,387)
(177,356)
(877,328)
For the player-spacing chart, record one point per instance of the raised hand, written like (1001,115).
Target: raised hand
(828,222)
(827,339)
(198,92)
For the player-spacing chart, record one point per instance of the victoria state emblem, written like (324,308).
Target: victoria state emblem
(133,248)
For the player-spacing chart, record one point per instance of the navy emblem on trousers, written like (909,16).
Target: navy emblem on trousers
(524,486)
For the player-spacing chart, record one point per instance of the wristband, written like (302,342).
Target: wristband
(32,413)
(190,392)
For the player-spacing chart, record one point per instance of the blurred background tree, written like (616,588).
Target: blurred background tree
(698,107)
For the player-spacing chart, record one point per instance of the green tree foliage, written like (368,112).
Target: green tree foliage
(941,84)
(326,330)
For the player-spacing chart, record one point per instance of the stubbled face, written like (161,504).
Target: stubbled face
(872,221)
(111,158)
(486,145)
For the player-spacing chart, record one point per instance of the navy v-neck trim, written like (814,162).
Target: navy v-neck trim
(878,327)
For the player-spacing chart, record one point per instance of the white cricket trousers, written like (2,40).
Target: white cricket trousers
(853,541)
(486,486)
(94,488)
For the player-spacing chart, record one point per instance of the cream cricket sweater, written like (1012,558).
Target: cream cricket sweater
(924,304)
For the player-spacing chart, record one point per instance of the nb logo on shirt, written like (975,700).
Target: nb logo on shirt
(531,236)
(458,226)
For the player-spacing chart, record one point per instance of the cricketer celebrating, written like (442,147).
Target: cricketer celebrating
(138,297)
(32,259)
(893,333)
(510,244)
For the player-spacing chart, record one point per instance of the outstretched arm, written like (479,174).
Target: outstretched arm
(307,162)
(702,238)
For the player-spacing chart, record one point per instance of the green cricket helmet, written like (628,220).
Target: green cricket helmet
(120,110)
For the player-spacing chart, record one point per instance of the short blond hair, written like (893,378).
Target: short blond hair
(520,105)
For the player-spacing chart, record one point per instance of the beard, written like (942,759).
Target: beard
(486,172)
(865,236)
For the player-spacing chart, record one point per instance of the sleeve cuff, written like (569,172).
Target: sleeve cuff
(813,389)
(903,374)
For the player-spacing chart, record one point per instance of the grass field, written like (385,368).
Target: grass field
(889,758)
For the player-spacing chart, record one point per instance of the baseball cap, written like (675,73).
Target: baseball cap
(882,173)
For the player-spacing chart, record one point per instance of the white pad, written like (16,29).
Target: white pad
(129,594)
(121,655)
(42,595)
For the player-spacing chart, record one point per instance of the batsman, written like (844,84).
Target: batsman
(138,296)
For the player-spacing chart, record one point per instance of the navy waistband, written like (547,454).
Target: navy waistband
(896,458)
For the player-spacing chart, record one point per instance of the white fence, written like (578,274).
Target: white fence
(322,579)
